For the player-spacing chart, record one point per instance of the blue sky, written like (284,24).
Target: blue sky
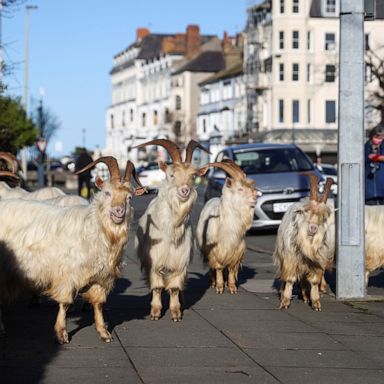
(72,44)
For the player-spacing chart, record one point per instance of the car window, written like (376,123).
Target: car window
(273,160)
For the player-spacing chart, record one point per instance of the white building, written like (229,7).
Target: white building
(144,104)
(293,77)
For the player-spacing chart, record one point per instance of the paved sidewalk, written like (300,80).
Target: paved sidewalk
(222,339)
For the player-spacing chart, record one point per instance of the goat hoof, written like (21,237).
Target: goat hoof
(62,337)
(176,319)
(219,290)
(155,317)
(316,307)
(107,339)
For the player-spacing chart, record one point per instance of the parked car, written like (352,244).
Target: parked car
(279,171)
(151,176)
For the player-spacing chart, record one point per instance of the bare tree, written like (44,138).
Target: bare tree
(375,74)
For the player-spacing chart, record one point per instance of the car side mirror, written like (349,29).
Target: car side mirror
(219,174)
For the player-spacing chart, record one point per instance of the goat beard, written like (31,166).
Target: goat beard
(180,208)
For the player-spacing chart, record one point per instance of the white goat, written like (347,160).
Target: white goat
(223,223)
(305,245)
(164,235)
(65,251)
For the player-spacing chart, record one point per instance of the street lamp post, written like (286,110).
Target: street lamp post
(28,8)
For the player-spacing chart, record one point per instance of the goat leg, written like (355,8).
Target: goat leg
(174,304)
(156,304)
(315,280)
(100,324)
(212,278)
(60,325)
(232,279)
(219,280)
(286,294)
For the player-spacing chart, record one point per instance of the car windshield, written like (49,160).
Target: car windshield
(272,160)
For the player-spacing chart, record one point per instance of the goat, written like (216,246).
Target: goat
(222,226)
(164,235)
(70,250)
(305,245)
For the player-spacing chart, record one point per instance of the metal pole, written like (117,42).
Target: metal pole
(26,79)
(350,221)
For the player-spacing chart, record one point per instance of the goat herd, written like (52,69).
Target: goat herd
(64,246)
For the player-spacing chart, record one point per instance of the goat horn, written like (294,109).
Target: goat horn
(110,161)
(10,159)
(171,147)
(313,182)
(9,174)
(192,145)
(327,189)
(230,167)
(131,171)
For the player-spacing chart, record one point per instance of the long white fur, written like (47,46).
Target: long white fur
(221,229)
(6,192)
(299,256)
(164,239)
(60,250)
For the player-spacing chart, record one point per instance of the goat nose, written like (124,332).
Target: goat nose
(184,191)
(119,210)
(313,228)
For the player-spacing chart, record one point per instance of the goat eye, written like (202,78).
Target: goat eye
(107,193)
(171,175)
(240,189)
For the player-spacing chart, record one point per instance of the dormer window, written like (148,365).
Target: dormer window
(330,7)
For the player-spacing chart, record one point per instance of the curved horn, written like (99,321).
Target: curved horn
(327,189)
(10,159)
(171,147)
(110,161)
(9,174)
(192,145)
(313,182)
(131,171)
(228,167)
(236,167)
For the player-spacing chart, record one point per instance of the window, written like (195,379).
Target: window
(155,118)
(309,70)
(123,119)
(368,73)
(281,40)
(177,129)
(295,111)
(204,126)
(295,72)
(366,41)
(282,6)
(143,119)
(330,42)
(330,73)
(295,6)
(178,103)
(131,115)
(309,111)
(281,111)
(330,111)
(112,121)
(330,6)
(295,39)
(308,40)
(281,72)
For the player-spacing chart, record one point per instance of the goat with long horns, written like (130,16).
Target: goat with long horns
(305,245)
(164,235)
(223,223)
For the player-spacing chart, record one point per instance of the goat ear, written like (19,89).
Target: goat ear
(99,182)
(162,166)
(139,191)
(229,182)
(203,170)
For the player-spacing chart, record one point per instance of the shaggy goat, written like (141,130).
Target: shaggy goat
(223,223)
(65,251)
(164,235)
(305,245)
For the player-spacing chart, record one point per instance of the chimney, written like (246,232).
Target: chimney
(141,33)
(180,42)
(193,40)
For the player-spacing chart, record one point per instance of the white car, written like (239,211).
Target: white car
(328,170)
(151,176)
